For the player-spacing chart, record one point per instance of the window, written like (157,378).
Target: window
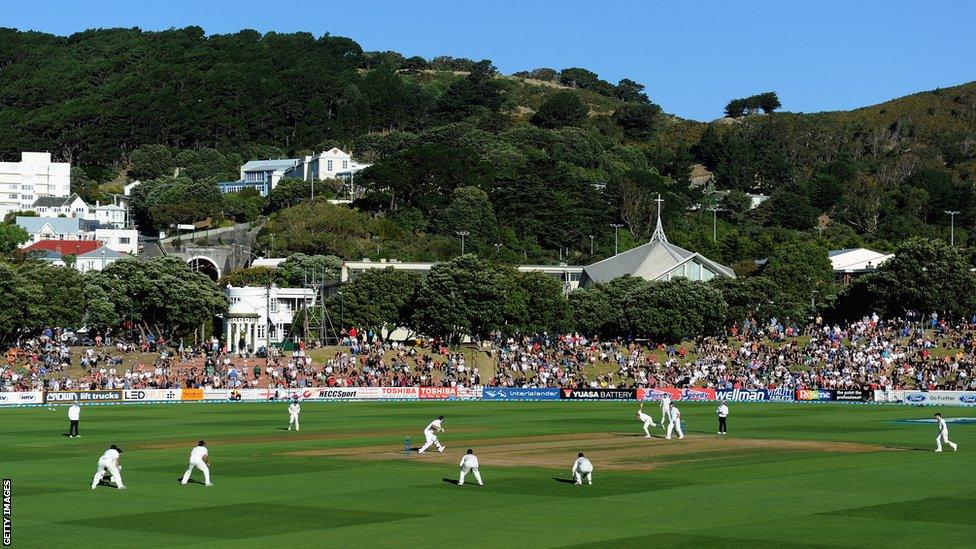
(260,332)
(123,240)
(328,165)
(345,164)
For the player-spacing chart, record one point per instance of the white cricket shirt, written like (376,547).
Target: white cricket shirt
(198,452)
(74,412)
(434,425)
(470,461)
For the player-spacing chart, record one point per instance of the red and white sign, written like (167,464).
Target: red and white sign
(438,393)
(406,393)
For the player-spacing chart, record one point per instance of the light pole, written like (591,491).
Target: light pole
(498,246)
(714,209)
(952,226)
(616,241)
(591,244)
(462,234)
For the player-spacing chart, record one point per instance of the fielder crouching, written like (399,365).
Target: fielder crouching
(582,468)
(469,463)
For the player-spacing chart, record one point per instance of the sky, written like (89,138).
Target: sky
(693,56)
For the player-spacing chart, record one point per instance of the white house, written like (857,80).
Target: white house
(83,255)
(52,228)
(110,215)
(334,164)
(124,241)
(264,175)
(260,316)
(22,183)
(58,206)
(98,259)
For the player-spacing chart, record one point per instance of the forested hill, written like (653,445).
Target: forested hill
(536,165)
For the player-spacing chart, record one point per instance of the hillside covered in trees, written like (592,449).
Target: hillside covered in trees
(535,166)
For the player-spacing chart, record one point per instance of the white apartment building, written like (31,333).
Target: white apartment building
(22,183)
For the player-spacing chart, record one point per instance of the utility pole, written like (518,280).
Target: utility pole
(616,241)
(591,244)
(952,227)
(462,234)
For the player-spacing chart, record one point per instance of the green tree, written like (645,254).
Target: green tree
(243,206)
(249,276)
(925,276)
(461,297)
(379,299)
(470,210)
(11,237)
(639,121)
(674,310)
(799,269)
(163,295)
(563,108)
(299,270)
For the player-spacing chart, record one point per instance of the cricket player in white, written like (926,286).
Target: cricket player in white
(665,409)
(432,427)
(582,467)
(109,462)
(647,420)
(293,410)
(675,422)
(469,462)
(943,435)
(199,458)
(723,414)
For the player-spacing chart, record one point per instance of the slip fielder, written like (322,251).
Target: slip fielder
(647,420)
(293,410)
(469,463)
(675,422)
(943,435)
(582,467)
(430,437)
(109,462)
(199,458)
(665,409)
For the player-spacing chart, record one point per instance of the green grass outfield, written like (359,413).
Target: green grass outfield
(902,495)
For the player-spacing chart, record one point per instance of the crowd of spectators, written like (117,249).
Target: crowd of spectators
(867,354)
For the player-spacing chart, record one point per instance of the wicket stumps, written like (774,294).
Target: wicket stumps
(407,445)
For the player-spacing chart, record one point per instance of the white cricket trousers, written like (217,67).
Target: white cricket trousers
(647,424)
(107,465)
(199,464)
(675,426)
(473,470)
(293,420)
(580,473)
(431,439)
(944,437)
(665,415)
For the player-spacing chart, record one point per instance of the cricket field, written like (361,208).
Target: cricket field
(787,475)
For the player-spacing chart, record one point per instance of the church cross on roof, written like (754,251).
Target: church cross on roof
(659,230)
